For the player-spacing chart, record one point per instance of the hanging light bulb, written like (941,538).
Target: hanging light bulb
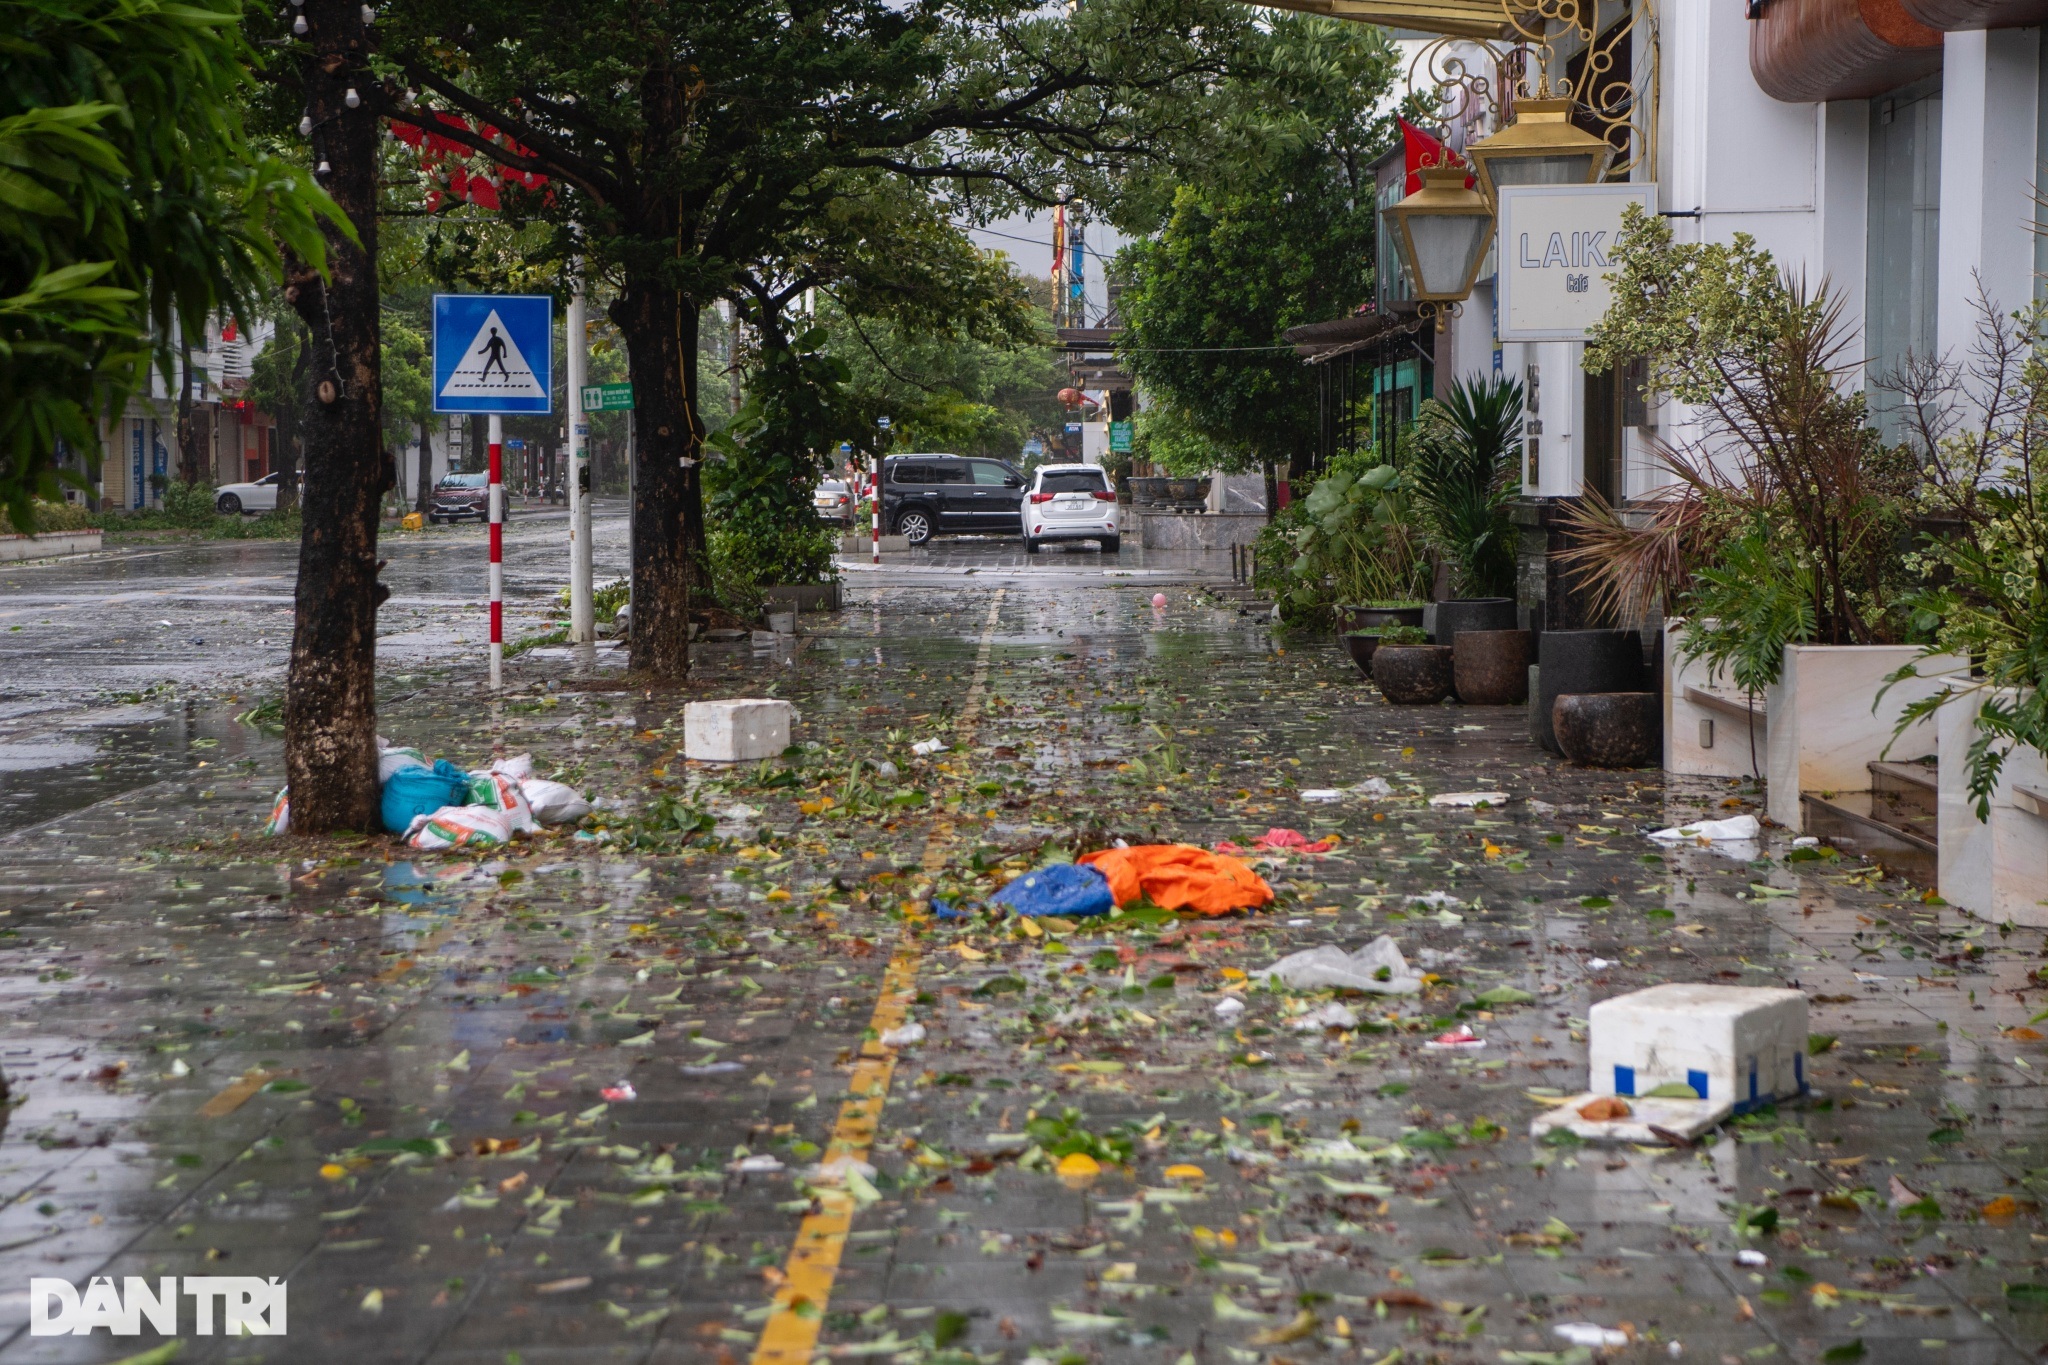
(352,99)
(299,26)
(323,168)
(306,125)
(369,15)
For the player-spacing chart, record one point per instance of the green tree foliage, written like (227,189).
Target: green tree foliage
(131,205)
(948,391)
(749,151)
(408,380)
(1267,224)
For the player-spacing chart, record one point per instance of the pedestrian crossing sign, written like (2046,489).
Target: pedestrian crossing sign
(493,353)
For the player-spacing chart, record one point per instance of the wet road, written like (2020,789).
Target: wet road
(621,1095)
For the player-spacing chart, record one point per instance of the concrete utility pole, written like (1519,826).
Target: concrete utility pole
(582,612)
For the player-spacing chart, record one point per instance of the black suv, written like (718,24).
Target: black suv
(927,495)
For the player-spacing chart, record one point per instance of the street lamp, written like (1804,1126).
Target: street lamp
(1541,147)
(1442,231)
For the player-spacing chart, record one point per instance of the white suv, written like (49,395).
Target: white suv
(1070,502)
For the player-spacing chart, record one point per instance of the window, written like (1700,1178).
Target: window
(989,474)
(1904,240)
(1072,481)
(911,473)
(948,473)
(466,481)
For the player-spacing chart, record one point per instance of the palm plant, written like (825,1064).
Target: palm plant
(1462,474)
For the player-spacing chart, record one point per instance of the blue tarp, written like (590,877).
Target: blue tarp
(422,791)
(1067,889)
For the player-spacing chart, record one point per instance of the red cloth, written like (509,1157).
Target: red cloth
(1423,150)
(1281,837)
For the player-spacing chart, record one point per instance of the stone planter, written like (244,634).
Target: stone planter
(1148,489)
(1412,675)
(1473,613)
(1361,645)
(1187,490)
(1711,727)
(1610,729)
(804,596)
(1825,723)
(1353,618)
(1581,662)
(1991,868)
(1491,667)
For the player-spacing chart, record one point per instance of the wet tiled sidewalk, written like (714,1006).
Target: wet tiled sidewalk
(383,1078)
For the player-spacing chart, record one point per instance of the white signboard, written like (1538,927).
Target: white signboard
(1555,253)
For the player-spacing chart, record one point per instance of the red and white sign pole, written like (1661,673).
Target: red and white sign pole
(497,491)
(875,492)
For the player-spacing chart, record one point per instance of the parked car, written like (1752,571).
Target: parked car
(834,502)
(462,495)
(1070,502)
(259,496)
(928,495)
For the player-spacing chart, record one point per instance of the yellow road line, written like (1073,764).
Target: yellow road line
(233,1098)
(791,1332)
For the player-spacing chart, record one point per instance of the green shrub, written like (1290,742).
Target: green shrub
(746,559)
(50,518)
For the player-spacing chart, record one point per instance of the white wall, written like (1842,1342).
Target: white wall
(1988,127)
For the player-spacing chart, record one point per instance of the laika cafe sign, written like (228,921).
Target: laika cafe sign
(1556,256)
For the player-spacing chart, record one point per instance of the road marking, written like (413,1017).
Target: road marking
(232,1098)
(791,1332)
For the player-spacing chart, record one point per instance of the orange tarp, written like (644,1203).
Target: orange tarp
(1180,877)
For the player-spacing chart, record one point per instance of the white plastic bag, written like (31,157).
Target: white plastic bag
(459,827)
(1378,967)
(501,793)
(1732,830)
(553,803)
(280,821)
(519,767)
(395,760)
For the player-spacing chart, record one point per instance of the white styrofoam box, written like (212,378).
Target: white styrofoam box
(1746,1044)
(738,731)
(1685,1118)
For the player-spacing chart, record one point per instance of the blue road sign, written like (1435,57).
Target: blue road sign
(493,353)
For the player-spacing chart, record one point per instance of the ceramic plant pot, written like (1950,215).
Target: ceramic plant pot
(1578,662)
(1361,645)
(1610,729)
(1473,613)
(1356,618)
(1491,667)
(1412,675)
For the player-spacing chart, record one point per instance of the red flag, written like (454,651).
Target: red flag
(1425,150)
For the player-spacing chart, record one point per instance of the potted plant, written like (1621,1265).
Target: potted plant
(1408,669)
(1983,550)
(1354,543)
(1463,472)
(1780,536)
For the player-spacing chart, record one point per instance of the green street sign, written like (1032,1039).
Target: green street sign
(1120,436)
(607,397)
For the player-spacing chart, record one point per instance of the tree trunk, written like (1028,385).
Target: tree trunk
(188,432)
(426,475)
(670,566)
(330,714)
